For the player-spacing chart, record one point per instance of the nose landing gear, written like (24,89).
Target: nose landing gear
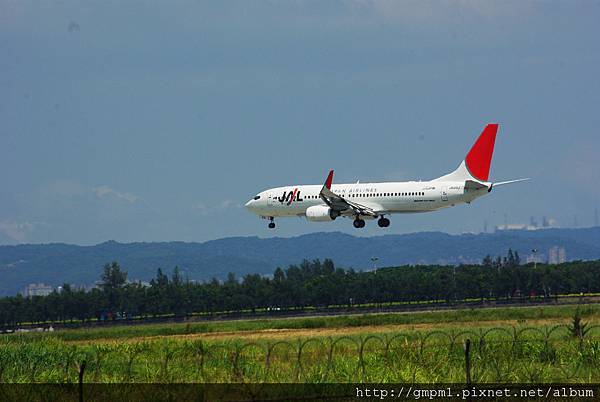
(272,223)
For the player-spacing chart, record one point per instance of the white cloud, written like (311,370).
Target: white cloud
(211,209)
(67,188)
(435,10)
(106,191)
(16,231)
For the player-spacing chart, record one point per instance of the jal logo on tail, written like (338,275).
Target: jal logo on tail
(289,197)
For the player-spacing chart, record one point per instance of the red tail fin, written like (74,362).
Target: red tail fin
(479,158)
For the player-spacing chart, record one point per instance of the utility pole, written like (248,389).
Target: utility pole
(454,282)
(534,251)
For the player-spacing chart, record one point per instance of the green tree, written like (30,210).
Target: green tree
(113,277)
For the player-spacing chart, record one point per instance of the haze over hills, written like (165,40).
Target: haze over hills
(58,263)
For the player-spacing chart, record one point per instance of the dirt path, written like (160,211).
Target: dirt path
(277,334)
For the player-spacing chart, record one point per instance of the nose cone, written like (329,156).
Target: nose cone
(249,205)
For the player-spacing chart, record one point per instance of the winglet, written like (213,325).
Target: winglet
(329,180)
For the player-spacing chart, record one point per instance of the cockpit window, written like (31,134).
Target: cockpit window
(256,197)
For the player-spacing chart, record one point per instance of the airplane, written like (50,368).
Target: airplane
(361,201)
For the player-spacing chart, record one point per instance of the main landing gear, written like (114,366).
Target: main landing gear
(383,222)
(358,223)
(272,223)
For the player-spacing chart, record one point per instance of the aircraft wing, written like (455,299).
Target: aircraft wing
(340,204)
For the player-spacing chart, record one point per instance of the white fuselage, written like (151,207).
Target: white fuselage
(394,197)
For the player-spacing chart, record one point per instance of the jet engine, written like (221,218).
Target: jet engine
(321,213)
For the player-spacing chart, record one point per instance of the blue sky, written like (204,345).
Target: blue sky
(156,121)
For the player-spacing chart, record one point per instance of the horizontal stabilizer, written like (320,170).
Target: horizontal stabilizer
(501,183)
(475,185)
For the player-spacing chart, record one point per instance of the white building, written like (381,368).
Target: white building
(557,255)
(37,289)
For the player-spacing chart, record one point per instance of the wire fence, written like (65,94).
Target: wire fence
(525,354)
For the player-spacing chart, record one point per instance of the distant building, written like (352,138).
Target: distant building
(535,258)
(515,226)
(557,255)
(37,289)
(533,225)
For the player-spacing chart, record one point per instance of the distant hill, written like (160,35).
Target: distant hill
(56,264)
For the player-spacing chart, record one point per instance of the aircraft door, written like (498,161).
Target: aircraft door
(444,193)
(270,199)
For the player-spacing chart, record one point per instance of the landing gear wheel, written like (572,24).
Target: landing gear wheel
(358,223)
(383,222)
(272,223)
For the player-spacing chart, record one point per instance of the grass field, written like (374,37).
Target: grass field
(508,345)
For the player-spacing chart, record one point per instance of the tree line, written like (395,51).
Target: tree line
(309,284)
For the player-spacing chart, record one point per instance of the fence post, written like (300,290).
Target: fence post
(468,360)
(81,373)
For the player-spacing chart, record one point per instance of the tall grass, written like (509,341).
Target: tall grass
(517,354)
(478,315)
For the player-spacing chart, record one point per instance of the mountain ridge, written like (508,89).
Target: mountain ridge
(57,263)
